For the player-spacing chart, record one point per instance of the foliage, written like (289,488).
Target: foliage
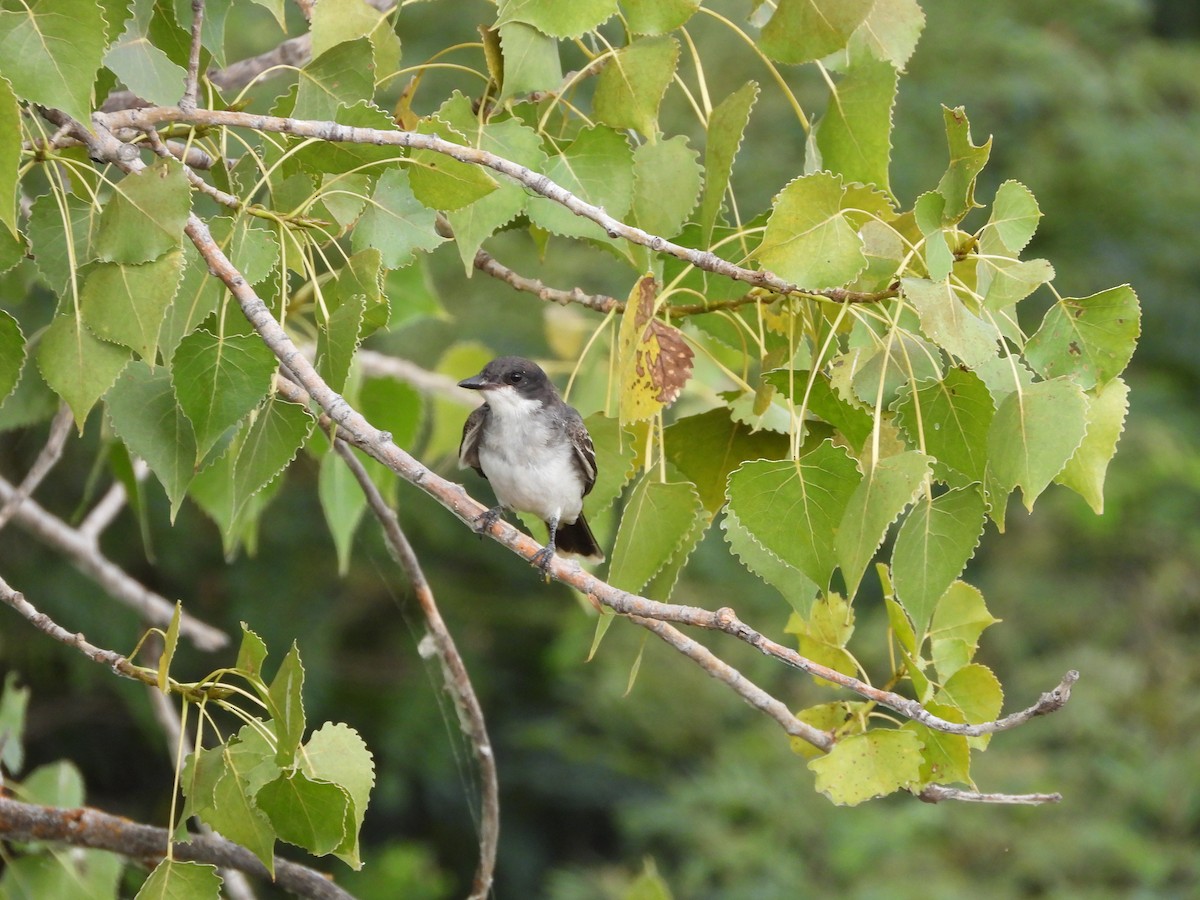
(841,367)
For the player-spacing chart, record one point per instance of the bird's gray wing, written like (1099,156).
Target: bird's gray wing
(585,452)
(468,449)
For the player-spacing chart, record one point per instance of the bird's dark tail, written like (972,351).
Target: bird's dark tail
(577,538)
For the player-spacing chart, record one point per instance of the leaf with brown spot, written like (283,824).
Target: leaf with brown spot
(655,360)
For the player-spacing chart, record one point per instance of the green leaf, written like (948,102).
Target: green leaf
(657,16)
(144,67)
(310,814)
(54,784)
(170,643)
(218,380)
(708,446)
(976,691)
(394,407)
(654,525)
(343,503)
(126,304)
(1013,222)
(1003,281)
(145,216)
(13,703)
(342,75)
(966,162)
(864,766)
(341,20)
(889,32)
(339,335)
(794,585)
(277,432)
(932,549)
(332,158)
(275,8)
(823,634)
(959,619)
(50,51)
(946,758)
(1035,432)
(1090,339)
(10,155)
(287,706)
(950,419)
(795,508)
(663,583)
(666,185)
(79,874)
(726,127)
(809,239)
(12,354)
(396,223)
(441,182)
(251,653)
(633,82)
(531,61)
(946,321)
(814,393)
(596,167)
(145,415)
(337,754)
(928,212)
(557,19)
(886,489)
(78,366)
(1085,471)
(805,30)
(237,817)
(854,136)
(62,239)
(887,368)
(615,456)
(175,880)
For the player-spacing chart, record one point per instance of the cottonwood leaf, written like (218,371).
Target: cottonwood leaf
(794,585)
(1003,281)
(615,456)
(285,701)
(794,508)
(343,504)
(126,304)
(945,758)
(237,817)
(657,16)
(884,371)
(62,239)
(932,549)
(531,61)
(596,167)
(854,135)
(1085,471)
(822,635)
(395,222)
(442,182)
(174,880)
(218,380)
(655,361)
(146,416)
(633,82)
(960,617)
(949,418)
(654,524)
(1091,339)
(77,365)
(1013,222)
(310,814)
(338,335)
(809,240)
(10,156)
(1034,433)
(927,213)
(814,393)
(976,691)
(277,432)
(252,653)
(864,766)
(50,51)
(555,18)
(145,216)
(882,494)
(801,31)
(889,32)
(726,127)
(663,583)
(342,75)
(337,754)
(946,321)
(966,162)
(12,354)
(666,185)
(337,21)
(141,63)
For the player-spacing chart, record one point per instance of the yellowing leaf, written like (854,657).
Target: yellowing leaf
(864,766)
(655,361)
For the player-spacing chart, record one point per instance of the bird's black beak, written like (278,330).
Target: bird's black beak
(476,383)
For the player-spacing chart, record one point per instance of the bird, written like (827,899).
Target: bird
(536,453)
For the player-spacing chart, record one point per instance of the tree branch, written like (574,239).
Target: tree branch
(188,102)
(84,552)
(46,459)
(149,118)
(87,827)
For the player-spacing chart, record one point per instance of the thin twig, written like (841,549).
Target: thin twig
(50,454)
(380,365)
(936,793)
(151,117)
(188,102)
(83,551)
(87,827)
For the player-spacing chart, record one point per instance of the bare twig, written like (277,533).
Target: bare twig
(380,365)
(87,827)
(152,117)
(83,551)
(46,459)
(936,793)
(188,102)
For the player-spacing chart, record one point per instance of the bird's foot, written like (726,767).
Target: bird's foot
(542,559)
(484,522)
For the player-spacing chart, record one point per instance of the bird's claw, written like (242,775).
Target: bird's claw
(542,558)
(484,522)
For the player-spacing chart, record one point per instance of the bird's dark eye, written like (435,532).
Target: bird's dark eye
(515,378)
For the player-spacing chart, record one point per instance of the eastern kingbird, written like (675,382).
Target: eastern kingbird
(535,451)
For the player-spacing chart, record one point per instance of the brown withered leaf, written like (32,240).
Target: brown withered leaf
(655,360)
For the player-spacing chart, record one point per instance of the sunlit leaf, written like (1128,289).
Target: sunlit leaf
(890,31)
(854,135)
(632,84)
(960,617)
(50,51)
(1091,339)
(531,60)
(597,167)
(946,320)
(557,19)
(809,239)
(77,365)
(657,518)
(864,766)
(803,30)
(1085,471)
(966,162)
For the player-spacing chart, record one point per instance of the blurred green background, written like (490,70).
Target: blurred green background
(1095,106)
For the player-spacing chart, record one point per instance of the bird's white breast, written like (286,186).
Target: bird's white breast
(530,465)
